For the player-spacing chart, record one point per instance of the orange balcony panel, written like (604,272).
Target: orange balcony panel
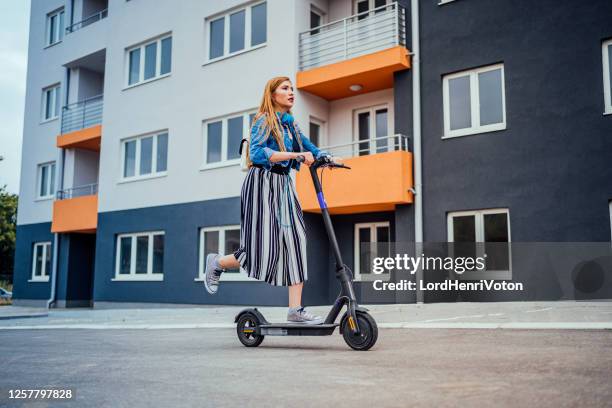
(88,138)
(375,182)
(79,214)
(372,71)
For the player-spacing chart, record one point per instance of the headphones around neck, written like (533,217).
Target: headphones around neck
(286,118)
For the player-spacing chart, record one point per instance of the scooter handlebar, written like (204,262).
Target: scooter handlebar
(323,161)
(327,161)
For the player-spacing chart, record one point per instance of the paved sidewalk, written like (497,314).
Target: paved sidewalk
(507,315)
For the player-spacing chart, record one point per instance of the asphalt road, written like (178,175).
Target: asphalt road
(407,367)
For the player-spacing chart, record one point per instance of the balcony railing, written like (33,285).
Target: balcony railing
(364,33)
(87,21)
(82,114)
(370,146)
(85,190)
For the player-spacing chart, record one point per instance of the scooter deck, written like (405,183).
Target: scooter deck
(296,329)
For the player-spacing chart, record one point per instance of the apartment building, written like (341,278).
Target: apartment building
(462,120)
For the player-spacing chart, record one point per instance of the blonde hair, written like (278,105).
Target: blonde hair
(268,108)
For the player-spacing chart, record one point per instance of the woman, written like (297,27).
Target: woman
(272,231)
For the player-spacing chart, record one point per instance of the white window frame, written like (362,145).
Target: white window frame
(371,5)
(154,173)
(479,225)
(141,67)
(607,71)
(356,249)
(59,30)
(226,32)
(610,205)
(133,276)
(54,90)
(372,141)
(322,130)
(44,277)
(474,101)
(50,180)
(236,277)
(320,13)
(224,162)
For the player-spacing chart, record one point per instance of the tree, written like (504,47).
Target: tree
(8,227)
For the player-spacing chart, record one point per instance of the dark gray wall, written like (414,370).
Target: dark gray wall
(181,223)
(552,166)
(27,235)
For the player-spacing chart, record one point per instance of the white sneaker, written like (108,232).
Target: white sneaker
(212,273)
(300,315)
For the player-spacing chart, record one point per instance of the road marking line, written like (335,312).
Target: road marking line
(450,318)
(538,310)
(123,326)
(506,325)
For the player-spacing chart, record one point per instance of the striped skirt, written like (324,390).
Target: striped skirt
(272,230)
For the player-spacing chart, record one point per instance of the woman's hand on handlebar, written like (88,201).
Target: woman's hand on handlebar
(308,157)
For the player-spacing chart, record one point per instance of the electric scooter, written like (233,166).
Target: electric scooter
(358,328)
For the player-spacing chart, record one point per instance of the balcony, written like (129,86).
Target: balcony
(97,16)
(76,210)
(379,179)
(82,124)
(355,55)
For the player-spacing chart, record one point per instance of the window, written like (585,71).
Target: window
(317,18)
(46,180)
(41,262)
(222,138)
(55,27)
(223,240)
(149,61)
(140,256)
(237,31)
(610,205)
(145,156)
(606,50)
(361,6)
(372,128)
(371,240)
(316,131)
(51,102)
(490,228)
(474,101)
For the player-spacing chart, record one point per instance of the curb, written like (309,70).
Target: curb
(23,316)
(405,325)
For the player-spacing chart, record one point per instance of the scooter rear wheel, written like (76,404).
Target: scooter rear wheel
(368,332)
(246,330)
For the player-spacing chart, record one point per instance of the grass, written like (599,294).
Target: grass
(8,286)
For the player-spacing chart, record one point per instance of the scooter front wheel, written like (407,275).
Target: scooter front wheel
(246,329)
(368,332)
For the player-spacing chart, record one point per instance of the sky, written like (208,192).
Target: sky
(13,60)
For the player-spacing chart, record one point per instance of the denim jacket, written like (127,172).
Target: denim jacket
(260,150)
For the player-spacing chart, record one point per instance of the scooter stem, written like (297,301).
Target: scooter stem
(342,271)
(326,218)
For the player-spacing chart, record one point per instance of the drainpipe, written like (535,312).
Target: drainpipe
(53,273)
(59,185)
(416,136)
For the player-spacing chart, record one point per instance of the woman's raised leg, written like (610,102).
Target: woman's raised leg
(228,262)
